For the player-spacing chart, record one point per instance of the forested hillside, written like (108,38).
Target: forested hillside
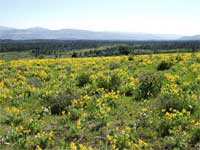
(81,48)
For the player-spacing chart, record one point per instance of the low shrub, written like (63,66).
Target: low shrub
(74,55)
(128,90)
(178,104)
(83,79)
(59,102)
(195,137)
(149,86)
(171,103)
(114,65)
(130,57)
(198,59)
(115,82)
(164,128)
(164,66)
(109,82)
(174,143)
(179,58)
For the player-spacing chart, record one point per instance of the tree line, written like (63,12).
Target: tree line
(75,47)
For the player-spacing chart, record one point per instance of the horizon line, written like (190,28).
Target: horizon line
(91,30)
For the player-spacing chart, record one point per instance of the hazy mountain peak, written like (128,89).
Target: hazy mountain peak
(37,29)
(68,34)
(5,28)
(195,37)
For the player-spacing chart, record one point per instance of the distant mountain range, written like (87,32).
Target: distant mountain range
(75,34)
(195,37)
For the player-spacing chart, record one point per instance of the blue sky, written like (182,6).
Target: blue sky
(151,16)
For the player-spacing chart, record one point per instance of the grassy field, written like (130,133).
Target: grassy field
(15,55)
(109,103)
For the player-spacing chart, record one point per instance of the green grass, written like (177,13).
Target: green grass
(15,55)
(100,118)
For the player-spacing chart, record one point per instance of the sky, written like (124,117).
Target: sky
(148,16)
